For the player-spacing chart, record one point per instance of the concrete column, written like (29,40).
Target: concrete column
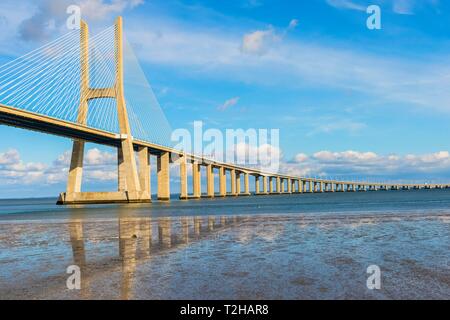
(76,161)
(238,183)
(289,185)
(300,186)
(210,181)
(265,185)
(76,167)
(144,171)
(233,181)
(282,185)
(163,176)
(321,186)
(257,189)
(222,182)
(183,178)
(196,180)
(271,184)
(121,175)
(246,183)
(278,184)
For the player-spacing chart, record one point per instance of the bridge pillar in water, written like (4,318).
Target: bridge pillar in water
(210,181)
(278,186)
(289,185)
(144,171)
(246,184)
(163,173)
(222,182)
(233,182)
(238,183)
(271,184)
(196,180)
(265,184)
(183,178)
(130,189)
(300,186)
(257,187)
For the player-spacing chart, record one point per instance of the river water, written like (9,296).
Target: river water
(310,246)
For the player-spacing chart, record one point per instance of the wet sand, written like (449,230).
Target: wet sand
(291,256)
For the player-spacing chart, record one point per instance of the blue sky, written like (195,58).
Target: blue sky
(349,101)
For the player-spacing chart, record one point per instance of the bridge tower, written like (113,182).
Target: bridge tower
(129,180)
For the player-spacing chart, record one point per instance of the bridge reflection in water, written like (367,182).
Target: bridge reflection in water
(140,238)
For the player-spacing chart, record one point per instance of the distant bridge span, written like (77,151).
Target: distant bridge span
(133,179)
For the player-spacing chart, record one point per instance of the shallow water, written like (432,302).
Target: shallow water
(286,247)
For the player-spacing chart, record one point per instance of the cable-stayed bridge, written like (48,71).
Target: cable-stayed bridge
(93,90)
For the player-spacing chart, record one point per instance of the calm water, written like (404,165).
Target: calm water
(281,247)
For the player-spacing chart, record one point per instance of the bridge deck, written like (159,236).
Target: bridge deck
(28,120)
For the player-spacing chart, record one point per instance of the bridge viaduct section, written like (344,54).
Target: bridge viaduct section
(134,155)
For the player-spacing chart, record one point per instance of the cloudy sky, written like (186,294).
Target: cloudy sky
(349,102)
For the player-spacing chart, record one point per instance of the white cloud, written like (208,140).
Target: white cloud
(98,165)
(95,157)
(301,157)
(370,164)
(346,4)
(259,42)
(99,9)
(229,103)
(293,24)
(403,6)
(252,3)
(9,157)
(293,63)
(329,124)
(13,169)
(40,21)
(406,7)
(411,6)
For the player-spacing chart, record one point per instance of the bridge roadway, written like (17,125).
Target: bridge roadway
(32,121)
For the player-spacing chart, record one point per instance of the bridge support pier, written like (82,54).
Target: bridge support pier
(233,182)
(222,182)
(278,190)
(130,189)
(246,184)
(163,166)
(238,183)
(257,187)
(183,178)
(210,181)
(196,180)
(264,184)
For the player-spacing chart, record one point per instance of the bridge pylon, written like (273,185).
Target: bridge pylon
(129,180)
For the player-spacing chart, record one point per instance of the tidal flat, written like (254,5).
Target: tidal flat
(242,256)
